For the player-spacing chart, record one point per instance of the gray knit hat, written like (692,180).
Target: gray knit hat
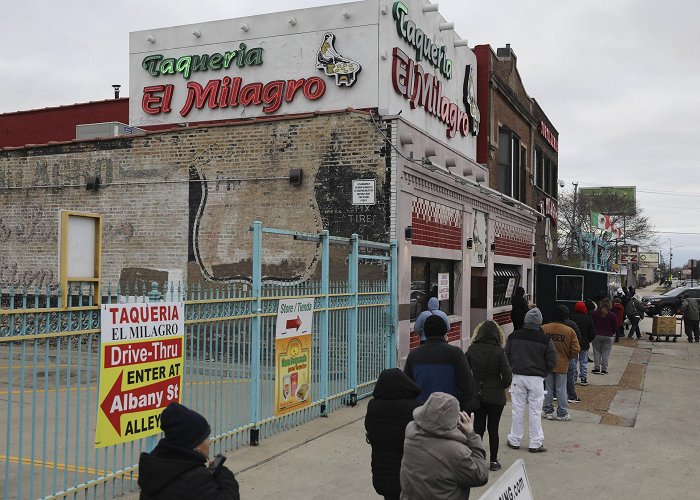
(533,319)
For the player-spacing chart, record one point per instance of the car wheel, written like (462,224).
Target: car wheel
(667,311)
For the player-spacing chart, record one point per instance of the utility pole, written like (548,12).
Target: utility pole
(574,229)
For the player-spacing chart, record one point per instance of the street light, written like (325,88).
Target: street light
(670,257)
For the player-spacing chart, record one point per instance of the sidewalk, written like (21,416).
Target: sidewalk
(654,459)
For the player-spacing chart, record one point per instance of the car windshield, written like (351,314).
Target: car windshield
(675,292)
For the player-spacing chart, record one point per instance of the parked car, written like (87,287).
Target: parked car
(668,303)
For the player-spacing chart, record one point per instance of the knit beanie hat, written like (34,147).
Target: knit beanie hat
(183,427)
(580,307)
(434,326)
(533,319)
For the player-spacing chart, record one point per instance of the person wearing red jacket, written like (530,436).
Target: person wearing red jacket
(619,311)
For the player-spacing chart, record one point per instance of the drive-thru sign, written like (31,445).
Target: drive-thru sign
(141,360)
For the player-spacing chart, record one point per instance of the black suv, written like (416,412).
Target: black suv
(668,303)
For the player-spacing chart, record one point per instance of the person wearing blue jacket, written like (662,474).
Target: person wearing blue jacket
(433,310)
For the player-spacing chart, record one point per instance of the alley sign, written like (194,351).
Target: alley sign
(141,365)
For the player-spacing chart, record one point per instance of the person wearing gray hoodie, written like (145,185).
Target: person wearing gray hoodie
(442,455)
(433,310)
(531,355)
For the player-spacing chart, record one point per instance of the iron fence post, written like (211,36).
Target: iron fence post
(153,296)
(257,333)
(325,304)
(393,324)
(353,316)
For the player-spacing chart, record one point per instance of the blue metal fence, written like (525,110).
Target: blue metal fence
(49,366)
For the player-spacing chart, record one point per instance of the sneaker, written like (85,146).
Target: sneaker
(555,398)
(690,340)
(512,446)
(596,371)
(584,381)
(575,399)
(549,416)
(541,449)
(603,372)
(495,465)
(563,418)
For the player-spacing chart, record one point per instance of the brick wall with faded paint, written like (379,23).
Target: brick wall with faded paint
(177,205)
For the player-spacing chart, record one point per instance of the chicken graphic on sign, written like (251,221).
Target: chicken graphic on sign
(333,64)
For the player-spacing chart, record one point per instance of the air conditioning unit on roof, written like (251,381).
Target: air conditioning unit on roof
(106,129)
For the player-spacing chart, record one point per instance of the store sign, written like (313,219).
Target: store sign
(344,70)
(512,485)
(479,239)
(443,286)
(549,136)
(649,258)
(141,364)
(470,99)
(364,192)
(548,207)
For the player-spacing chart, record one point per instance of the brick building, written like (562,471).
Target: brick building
(360,102)
(518,143)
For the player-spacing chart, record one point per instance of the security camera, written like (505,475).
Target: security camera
(561,183)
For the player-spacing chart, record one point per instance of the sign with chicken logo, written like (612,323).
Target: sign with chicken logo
(344,70)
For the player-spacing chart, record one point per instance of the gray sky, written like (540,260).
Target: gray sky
(619,79)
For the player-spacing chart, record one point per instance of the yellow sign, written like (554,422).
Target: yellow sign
(141,363)
(293,355)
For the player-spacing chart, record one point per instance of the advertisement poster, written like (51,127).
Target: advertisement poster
(141,362)
(479,239)
(509,289)
(293,354)
(443,286)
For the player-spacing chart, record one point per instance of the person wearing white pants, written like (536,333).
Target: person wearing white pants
(531,355)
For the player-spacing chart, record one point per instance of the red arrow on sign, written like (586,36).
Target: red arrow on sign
(129,401)
(294,323)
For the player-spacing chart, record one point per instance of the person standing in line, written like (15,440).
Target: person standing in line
(571,374)
(443,458)
(519,308)
(388,413)
(178,468)
(433,310)
(492,375)
(619,311)
(437,366)
(605,324)
(691,317)
(531,356)
(587,329)
(635,313)
(567,347)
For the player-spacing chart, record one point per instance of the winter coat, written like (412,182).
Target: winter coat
(433,309)
(519,308)
(586,327)
(565,342)
(387,415)
(439,460)
(490,368)
(171,473)
(530,352)
(437,366)
(605,326)
(690,309)
(620,311)
(634,308)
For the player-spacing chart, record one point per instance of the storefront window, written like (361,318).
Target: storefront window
(502,276)
(424,284)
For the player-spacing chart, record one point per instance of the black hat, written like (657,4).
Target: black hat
(183,427)
(434,326)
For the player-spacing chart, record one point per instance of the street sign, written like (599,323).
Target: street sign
(141,364)
(364,192)
(513,484)
(649,258)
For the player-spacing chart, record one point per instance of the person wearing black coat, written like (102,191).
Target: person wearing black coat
(387,416)
(492,375)
(519,308)
(177,467)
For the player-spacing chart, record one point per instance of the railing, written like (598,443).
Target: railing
(49,370)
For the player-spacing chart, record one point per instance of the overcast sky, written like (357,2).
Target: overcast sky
(619,79)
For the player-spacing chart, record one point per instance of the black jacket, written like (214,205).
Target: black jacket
(517,313)
(171,473)
(387,415)
(491,370)
(437,366)
(530,352)
(586,327)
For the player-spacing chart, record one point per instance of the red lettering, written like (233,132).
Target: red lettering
(272,95)
(292,87)
(251,94)
(154,104)
(198,96)
(400,71)
(314,88)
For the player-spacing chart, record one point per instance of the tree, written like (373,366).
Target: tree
(574,213)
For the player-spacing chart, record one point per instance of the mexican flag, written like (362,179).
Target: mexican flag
(605,223)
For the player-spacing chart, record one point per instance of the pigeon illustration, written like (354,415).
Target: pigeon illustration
(333,64)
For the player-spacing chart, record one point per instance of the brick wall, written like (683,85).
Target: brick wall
(512,241)
(436,225)
(502,318)
(175,204)
(453,335)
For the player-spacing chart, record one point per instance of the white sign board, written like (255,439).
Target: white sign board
(364,192)
(509,290)
(294,317)
(443,286)
(513,484)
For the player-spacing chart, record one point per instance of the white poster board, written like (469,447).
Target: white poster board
(513,484)
(364,192)
(479,239)
(80,246)
(509,290)
(443,286)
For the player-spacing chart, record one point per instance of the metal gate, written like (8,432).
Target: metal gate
(49,365)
